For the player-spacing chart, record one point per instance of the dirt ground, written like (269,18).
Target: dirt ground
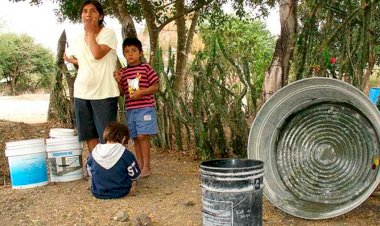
(170,196)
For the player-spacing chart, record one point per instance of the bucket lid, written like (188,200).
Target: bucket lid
(22,143)
(62,143)
(62,140)
(23,147)
(61,132)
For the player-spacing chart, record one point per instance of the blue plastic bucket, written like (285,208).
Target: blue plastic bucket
(27,163)
(374,94)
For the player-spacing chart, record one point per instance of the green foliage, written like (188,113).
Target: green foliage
(346,30)
(27,65)
(69,9)
(209,110)
(231,68)
(244,40)
(214,12)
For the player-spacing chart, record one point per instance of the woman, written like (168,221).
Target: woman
(95,89)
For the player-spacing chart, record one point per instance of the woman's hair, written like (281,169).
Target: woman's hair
(115,132)
(98,7)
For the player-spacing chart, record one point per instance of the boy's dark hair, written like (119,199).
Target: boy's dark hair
(115,132)
(98,7)
(132,42)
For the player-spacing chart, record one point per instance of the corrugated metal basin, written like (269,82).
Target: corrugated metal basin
(318,138)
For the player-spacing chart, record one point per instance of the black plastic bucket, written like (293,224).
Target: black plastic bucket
(232,192)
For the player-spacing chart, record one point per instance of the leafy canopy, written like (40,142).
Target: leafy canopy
(25,63)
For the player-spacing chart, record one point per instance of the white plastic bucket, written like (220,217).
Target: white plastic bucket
(27,163)
(61,132)
(65,158)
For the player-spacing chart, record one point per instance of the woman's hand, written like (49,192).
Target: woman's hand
(72,60)
(92,29)
(91,26)
(117,76)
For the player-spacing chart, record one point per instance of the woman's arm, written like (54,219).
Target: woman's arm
(92,29)
(98,51)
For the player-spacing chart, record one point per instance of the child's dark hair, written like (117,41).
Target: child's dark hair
(115,132)
(98,7)
(132,42)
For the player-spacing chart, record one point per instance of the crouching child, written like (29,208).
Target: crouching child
(112,168)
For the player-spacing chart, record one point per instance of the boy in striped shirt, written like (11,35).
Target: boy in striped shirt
(138,82)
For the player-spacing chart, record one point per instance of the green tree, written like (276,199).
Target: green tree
(228,70)
(159,13)
(24,63)
(245,53)
(338,39)
(187,15)
(122,10)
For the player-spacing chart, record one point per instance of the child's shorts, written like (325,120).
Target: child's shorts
(141,121)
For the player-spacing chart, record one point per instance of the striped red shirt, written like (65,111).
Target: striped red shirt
(146,77)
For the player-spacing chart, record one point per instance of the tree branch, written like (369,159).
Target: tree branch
(196,8)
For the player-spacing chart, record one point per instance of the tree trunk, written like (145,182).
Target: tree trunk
(184,42)
(152,29)
(70,84)
(181,44)
(59,106)
(367,59)
(13,85)
(278,72)
(15,76)
(128,29)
